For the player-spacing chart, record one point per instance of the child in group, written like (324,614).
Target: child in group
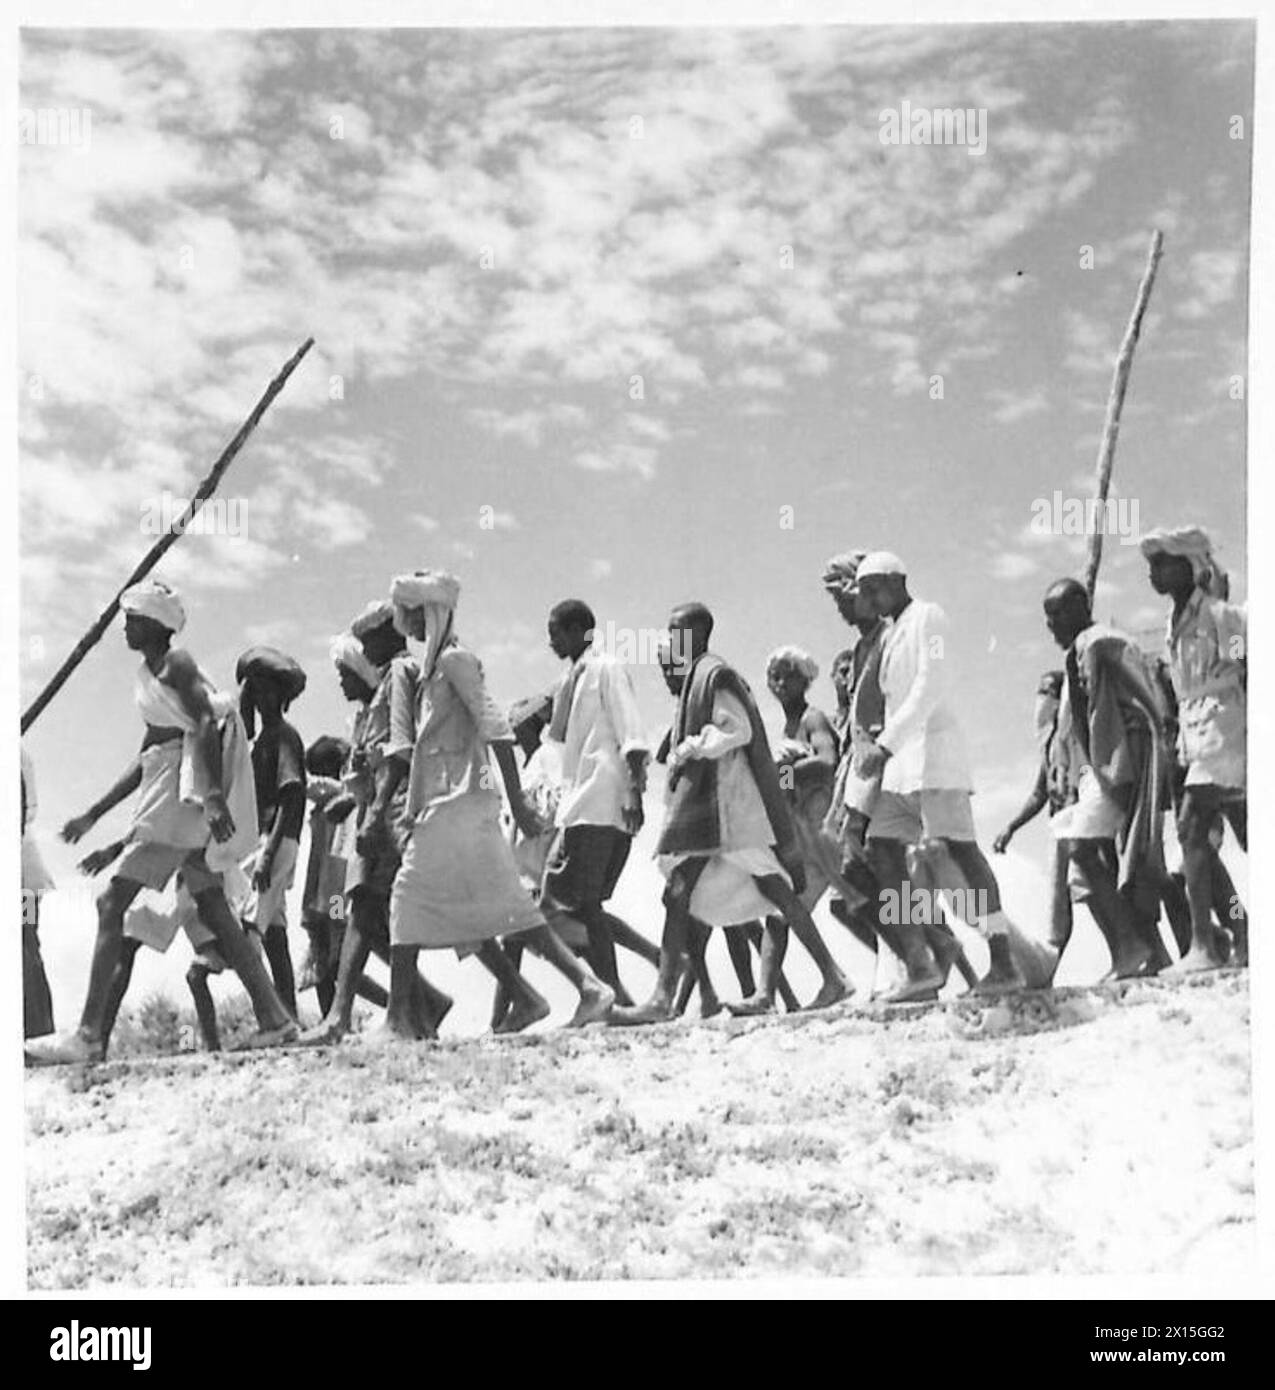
(269,681)
(323,900)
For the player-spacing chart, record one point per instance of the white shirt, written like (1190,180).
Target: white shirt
(920,729)
(603,728)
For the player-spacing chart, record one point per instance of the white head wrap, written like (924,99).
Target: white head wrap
(437,592)
(376,614)
(1194,544)
(154,599)
(840,573)
(880,562)
(347,651)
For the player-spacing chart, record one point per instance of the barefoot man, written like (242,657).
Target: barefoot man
(604,753)
(727,847)
(458,885)
(371,662)
(183,822)
(1109,740)
(925,782)
(1207,651)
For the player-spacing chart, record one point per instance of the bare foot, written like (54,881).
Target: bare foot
(655,1010)
(595,1004)
(1239,950)
(63,1050)
(270,1037)
(310,974)
(523,1014)
(999,981)
(832,992)
(1130,965)
(751,1007)
(324,1033)
(392,1032)
(1195,962)
(921,989)
(435,1017)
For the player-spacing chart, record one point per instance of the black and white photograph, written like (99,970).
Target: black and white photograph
(632,653)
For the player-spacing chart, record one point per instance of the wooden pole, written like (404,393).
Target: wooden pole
(169,538)
(1115,403)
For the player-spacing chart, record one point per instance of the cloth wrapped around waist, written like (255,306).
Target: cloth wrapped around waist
(175,784)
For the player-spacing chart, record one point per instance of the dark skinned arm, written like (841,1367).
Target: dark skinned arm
(78,826)
(524,817)
(823,743)
(1030,809)
(291,803)
(183,676)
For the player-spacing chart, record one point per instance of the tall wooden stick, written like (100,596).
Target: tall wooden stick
(1115,403)
(169,538)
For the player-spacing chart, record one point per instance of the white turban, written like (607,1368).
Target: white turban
(792,659)
(347,651)
(154,599)
(375,615)
(840,573)
(423,587)
(1194,544)
(880,562)
(437,592)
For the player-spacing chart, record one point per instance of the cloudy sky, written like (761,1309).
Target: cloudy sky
(632,315)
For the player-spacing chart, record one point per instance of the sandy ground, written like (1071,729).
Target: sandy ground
(1093,1131)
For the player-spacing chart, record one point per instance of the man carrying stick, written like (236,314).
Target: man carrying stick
(183,823)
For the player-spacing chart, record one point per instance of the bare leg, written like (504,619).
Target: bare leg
(1197,812)
(774,945)
(527,1005)
(677,923)
(205,1010)
(502,1002)
(741,956)
(1236,813)
(215,914)
(596,998)
(1229,910)
(401,1022)
(120,982)
(697,947)
(632,941)
(37,999)
(280,958)
(88,1042)
(356,947)
(888,861)
(1130,955)
(108,951)
(835,986)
